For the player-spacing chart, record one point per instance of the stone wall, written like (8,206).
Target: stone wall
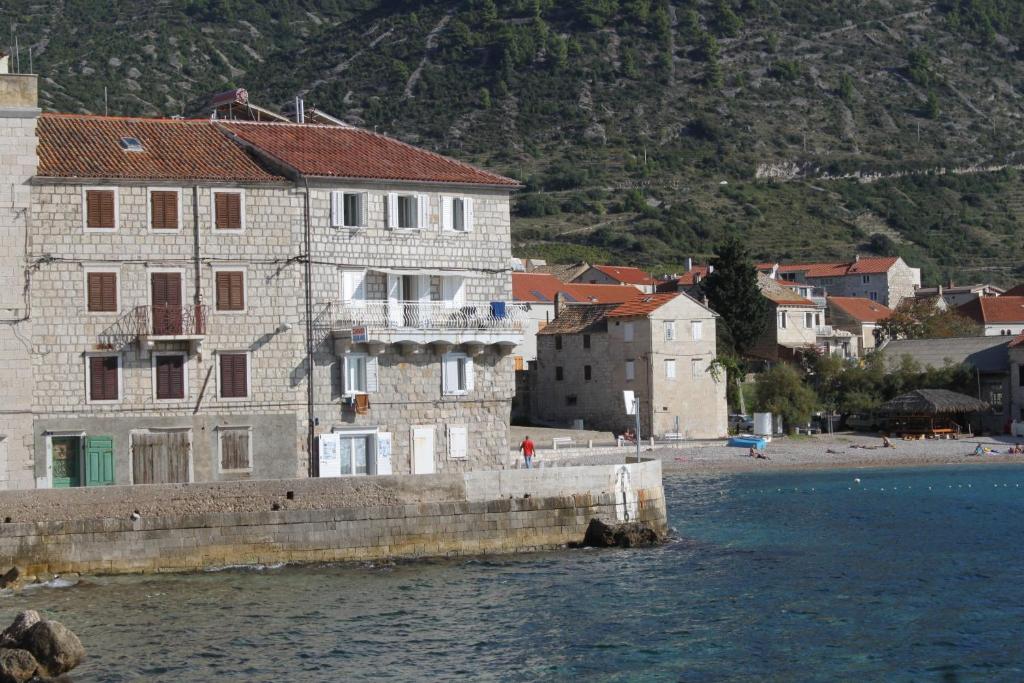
(183,528)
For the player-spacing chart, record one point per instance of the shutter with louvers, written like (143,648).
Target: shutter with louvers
(336,209)
(233,380)
(230,290)
(234,449)
(228,210)
(103,378)
(392,209)
(422,211)
(163,209)
(102,292)
(170,377)
(446,213)
(371,375)
(362,210)
(100,209)
(469,374)
(467,214)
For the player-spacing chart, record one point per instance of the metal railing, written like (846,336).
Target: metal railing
(169,321)
(429,315)
(823,331)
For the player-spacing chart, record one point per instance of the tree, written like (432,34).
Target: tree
(782,391)
(922,319)
(733,293)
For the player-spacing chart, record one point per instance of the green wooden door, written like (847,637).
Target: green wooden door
(99,461)
(67,466)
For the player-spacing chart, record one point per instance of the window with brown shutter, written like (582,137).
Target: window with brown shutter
(233,380)
(227,208)
(230,290)
(103,384)
(101,292)
(99,209)
(170,377)
(163,210)
(235,455)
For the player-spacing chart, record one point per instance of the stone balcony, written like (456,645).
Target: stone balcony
(413,325)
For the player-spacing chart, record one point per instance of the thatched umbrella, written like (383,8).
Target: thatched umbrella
(933,402)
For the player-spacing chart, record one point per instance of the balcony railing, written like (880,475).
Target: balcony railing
(169,321)
(430,315)
(823,331)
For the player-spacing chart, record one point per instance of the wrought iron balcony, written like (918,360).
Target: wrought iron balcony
(164,322)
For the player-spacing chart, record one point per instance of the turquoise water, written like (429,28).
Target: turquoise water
(774,577)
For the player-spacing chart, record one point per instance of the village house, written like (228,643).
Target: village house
(618,275)
(997,315)
(1015,352)
(797,325)
(952,295)
(202,300)
(887,279)
(659,346)
(859,317)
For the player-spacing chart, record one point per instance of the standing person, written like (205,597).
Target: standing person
(527,449)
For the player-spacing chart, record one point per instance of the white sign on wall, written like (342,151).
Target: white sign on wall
(628,397)
(330,455)
(384,453)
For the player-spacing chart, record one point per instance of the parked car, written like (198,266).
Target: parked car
(741,423)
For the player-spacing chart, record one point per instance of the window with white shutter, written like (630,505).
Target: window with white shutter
(456,374)
(630,370)
(353,285)
(348,209)
(670,330)
(407,211)
(670,368)
(627,332)
(358,369)
(422,212)
(696,368)
(697,329)
(458,442)
(457,213)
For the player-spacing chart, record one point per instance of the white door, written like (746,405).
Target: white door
(423,450)
(395,309)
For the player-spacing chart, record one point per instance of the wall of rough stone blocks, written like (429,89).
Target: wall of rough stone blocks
(193,527)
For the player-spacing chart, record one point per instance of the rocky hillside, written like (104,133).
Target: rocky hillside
(644,130)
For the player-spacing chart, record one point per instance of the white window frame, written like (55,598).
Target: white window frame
(103,269)
(670,369)
(808,319)
(448,214)
(457,357)
(149,210)
(214,191)
(338,217)
(341,284)
(464,430)
(873,296)
(220,453)
(630,370)
(696,369)
(245,289)
(628,331)
(373,439)
(248,376)
(865,279)
(782,319)
(696,330)
(670,330)
(184,371)
(421,210)
(346,361)
(85,208)
(88,376)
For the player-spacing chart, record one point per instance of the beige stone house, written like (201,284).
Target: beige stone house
(797,324)
(887,280)
(618,275)
(858,316)
(659,346)
(196,300)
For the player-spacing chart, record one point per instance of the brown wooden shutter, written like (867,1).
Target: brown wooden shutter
(99,206)
(170,377)
(233,382)
(230,290)
(234,449)
(102,292)
(103,378)
(228,209)
(164,210)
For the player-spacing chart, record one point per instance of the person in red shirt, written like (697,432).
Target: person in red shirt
(528,449)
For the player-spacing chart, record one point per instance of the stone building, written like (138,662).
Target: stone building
(859,317)
(887,279)
(618,275)
(797,324)
(999,316)
(171,316)
(660,346)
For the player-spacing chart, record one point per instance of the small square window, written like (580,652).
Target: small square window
(570,400)
(559,373)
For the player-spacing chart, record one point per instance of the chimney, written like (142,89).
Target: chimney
(856,258)
(711,269)
(4,63)
(940,291)
(689,264)
(559,303)
(951,283)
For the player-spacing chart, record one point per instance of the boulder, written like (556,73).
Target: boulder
(628,535)
(14,578)
(17,666)
(55,647)
(13,634)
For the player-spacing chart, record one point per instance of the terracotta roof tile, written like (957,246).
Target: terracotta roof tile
(863,310)
(347,152)
(578,318)
(645,304)
(995,309)
(74,146)
(775,292)
(542,287)
(863,266)
(1017,290)
(628,275)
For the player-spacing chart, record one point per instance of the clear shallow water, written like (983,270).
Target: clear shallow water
(769,580)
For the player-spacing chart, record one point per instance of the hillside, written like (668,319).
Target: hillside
(640,127)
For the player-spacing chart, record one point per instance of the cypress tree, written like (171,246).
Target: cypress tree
(733,294)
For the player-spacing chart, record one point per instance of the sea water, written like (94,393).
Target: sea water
(904,575)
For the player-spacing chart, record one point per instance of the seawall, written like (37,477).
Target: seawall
(186,527)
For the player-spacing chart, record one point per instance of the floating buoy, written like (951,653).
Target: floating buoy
(856,481)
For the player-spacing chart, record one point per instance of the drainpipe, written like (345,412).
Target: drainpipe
(198,296)
(310,418)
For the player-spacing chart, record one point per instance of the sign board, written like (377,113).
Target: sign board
(359,335)
(330,455)
(384,453)
(629,398)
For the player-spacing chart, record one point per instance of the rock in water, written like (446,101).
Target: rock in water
(629,535)
(14,578)
(17,666)
(13,634)
(57,649)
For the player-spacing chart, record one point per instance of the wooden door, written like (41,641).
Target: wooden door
(161,458)
(99,461)
(166,294)
(67,466)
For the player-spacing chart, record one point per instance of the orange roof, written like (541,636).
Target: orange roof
(77,146)
(862,310)
(628,275)
(693,276)
(775,292)
(995,309)
(1017,341)
(542,287)
(644,304)
(863,266)
(1017,290)
(347,152)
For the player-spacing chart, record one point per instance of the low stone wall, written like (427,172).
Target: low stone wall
(195,526)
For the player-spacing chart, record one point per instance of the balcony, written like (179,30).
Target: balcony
(412,324)
(165,323)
